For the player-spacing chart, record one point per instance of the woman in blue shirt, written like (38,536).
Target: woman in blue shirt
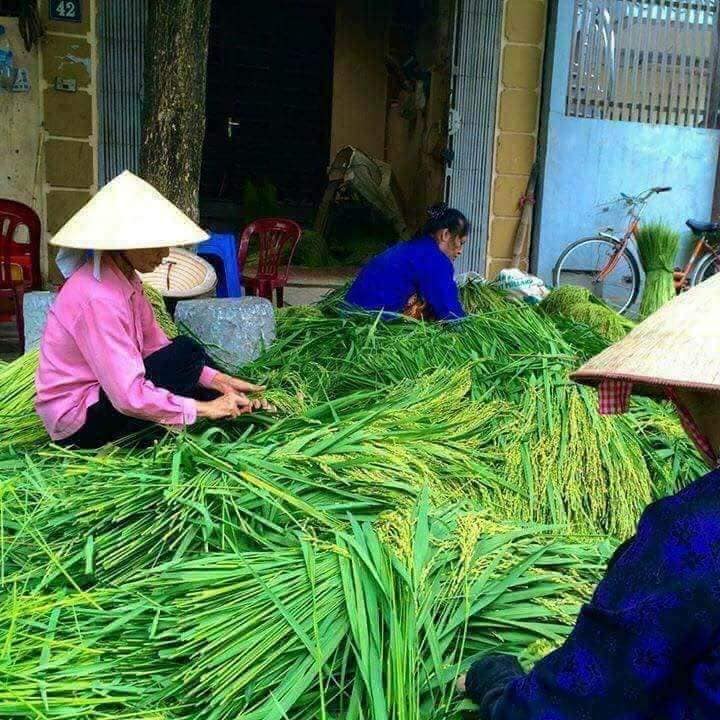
(417,277)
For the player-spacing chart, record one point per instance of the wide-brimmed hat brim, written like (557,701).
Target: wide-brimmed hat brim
(182,275)
(128,214)
(677,346)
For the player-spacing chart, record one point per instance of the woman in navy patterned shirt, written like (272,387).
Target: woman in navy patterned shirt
(647,645)
(417,277)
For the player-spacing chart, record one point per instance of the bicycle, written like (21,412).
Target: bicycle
(605,265)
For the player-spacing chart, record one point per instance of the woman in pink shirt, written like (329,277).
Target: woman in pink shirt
(106,367)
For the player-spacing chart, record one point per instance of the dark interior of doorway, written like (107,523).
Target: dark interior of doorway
(269,105)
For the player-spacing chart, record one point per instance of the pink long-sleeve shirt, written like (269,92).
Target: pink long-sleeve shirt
(96,336)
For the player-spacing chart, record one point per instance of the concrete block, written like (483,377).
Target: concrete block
(515,153)
(35,307)
(518,110)
(234,330)
(62,205)
(525,21)
(521,66)
(69,163)
(507,193)
(68,114)
(66,57)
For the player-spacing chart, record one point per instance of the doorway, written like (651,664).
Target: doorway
(269,102)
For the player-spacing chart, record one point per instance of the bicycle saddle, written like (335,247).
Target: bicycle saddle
(700,228)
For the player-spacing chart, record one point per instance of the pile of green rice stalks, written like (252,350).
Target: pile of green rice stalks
(375,620)
(578,304)
(426,494)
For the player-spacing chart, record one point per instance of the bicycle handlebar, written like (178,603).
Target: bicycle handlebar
(645,195)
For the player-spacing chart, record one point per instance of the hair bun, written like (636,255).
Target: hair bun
(435,212)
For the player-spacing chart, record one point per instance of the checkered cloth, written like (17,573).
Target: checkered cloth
(614,397)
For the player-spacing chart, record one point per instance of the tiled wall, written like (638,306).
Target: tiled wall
(68,51)
(517,124)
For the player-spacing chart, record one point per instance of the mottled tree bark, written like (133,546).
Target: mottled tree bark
(174,106)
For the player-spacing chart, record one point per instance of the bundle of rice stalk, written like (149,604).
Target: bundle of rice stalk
(672,459)
(578,304)
(478,296)
(20,425)
(251,634)
(446,587)
(163,317)
(78,656)
(579,469)
(118,511)
(658,246)
(376,624)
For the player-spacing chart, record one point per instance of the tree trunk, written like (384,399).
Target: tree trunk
(174,105)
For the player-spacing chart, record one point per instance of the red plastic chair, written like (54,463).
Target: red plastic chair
(19,258)
(274,237)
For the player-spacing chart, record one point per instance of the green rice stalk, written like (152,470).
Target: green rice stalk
(576,303)
(163,317)
(658,246)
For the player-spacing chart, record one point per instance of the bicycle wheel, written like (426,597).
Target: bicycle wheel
(707,266)
(583,262)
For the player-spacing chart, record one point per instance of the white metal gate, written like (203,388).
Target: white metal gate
(476,61)
(651,61)
(121,46)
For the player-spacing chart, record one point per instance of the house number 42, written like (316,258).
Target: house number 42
(66,10)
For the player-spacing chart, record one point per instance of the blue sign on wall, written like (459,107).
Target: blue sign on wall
(66,10)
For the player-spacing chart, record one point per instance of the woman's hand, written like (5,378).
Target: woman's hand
(227,384)
(229,405)
(262,404)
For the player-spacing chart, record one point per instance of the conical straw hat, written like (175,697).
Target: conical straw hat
(677,346)
(182,275)
(128,214)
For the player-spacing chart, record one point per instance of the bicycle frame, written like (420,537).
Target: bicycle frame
(700,245)
(637,207)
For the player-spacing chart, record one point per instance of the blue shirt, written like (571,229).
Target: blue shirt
(647,646)
(419,267)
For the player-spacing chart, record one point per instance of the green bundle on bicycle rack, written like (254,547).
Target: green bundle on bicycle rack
(658,246)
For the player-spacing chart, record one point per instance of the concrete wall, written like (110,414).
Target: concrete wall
(360,79)
(53,131)
(20,121)
(591,161)
(367,110)
(415,141)
(517,124)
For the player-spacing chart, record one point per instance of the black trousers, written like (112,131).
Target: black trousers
(176,368)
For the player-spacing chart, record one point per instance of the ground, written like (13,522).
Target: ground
(9,346)
(308,285)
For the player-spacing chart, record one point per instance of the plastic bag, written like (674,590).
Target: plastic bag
(525,287)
